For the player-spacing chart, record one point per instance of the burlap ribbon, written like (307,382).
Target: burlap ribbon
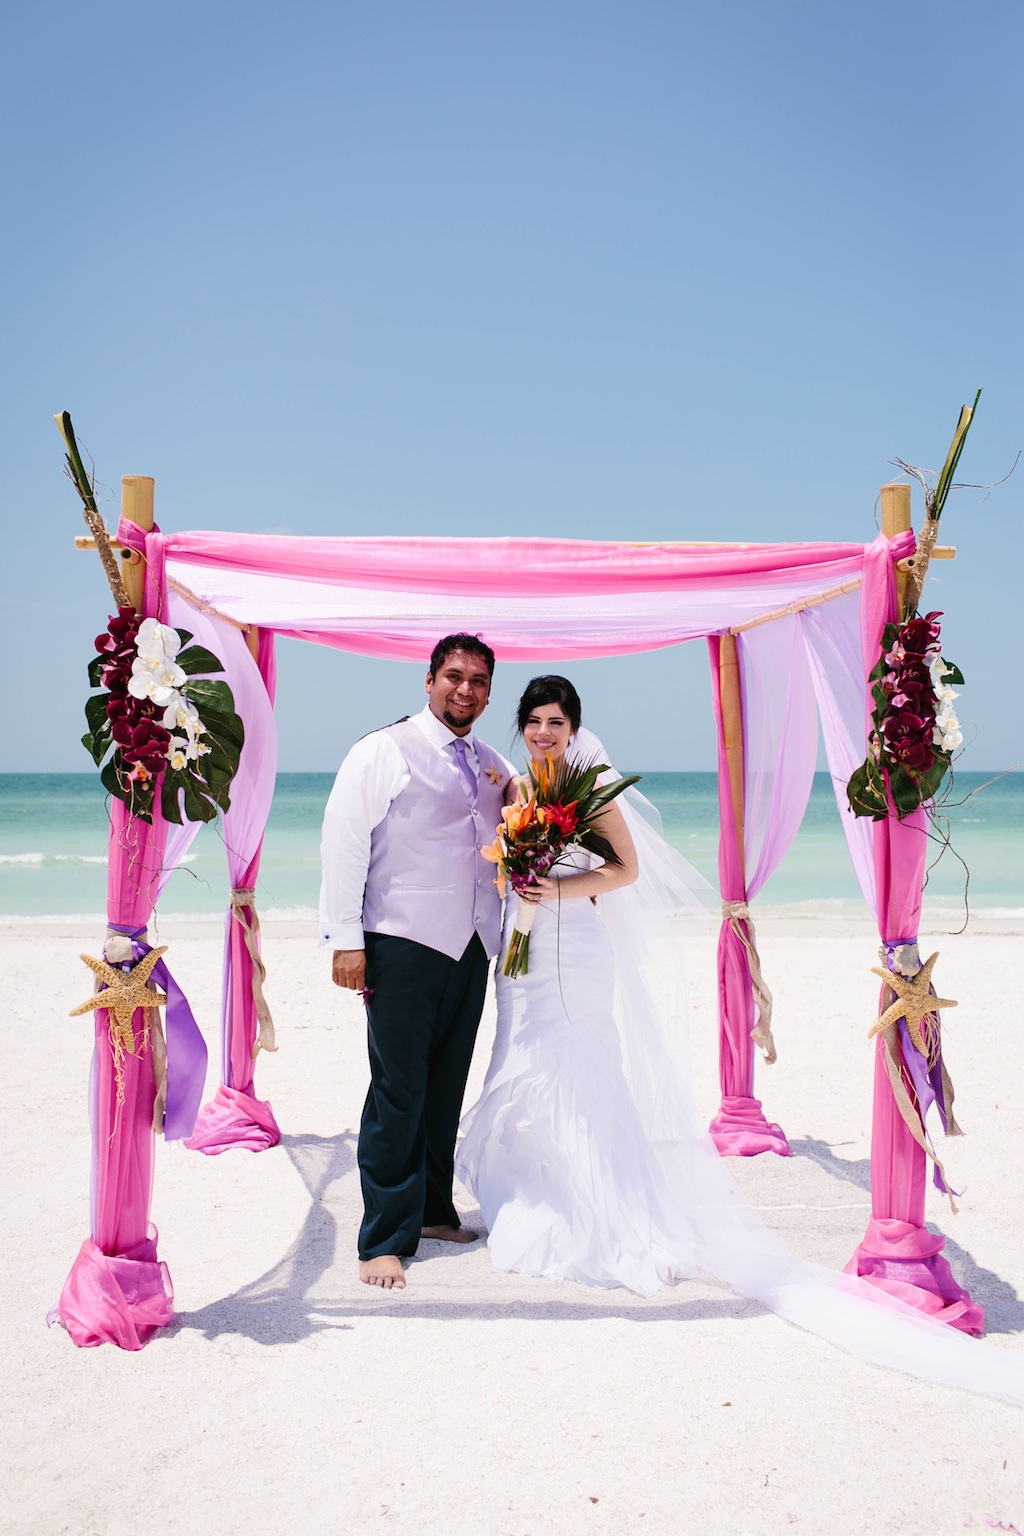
(737,915)
(243,902)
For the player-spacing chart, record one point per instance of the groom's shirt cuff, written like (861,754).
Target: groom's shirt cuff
(372,775)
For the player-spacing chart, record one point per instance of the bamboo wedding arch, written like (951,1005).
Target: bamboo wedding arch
(792,632)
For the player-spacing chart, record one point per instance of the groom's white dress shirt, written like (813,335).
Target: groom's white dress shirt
(373,775)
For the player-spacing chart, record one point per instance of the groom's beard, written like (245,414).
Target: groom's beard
(457,722)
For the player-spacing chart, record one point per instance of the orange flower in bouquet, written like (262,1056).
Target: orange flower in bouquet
(561,812)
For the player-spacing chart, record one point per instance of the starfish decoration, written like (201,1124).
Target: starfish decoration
(913,1002)
(124,991)
(494,774)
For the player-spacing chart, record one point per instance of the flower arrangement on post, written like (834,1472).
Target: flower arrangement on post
(560,811)
(915,730)
(159,723)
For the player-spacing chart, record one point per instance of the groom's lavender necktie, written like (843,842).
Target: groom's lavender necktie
(463,761)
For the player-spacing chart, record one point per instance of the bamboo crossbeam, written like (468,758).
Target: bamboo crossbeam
(939,552)
(798,605)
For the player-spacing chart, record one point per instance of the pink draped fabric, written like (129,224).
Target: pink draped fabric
(481,566)
(118,1290)
(117,1299)
(898,1253)
(740,1128)
(235,1117)
(531,599)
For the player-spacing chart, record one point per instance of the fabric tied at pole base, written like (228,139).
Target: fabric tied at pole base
(234,1119)
(906,1261)
(119,1298)
(741,1130)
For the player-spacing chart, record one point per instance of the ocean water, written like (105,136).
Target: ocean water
(53,831)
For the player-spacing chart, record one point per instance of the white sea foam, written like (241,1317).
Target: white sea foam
(45,860)
(53,919)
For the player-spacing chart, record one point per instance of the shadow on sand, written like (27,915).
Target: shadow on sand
(305,1292)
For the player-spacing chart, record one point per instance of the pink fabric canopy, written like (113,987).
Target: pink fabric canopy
(531,599)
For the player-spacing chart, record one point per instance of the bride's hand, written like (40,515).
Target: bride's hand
(544,889)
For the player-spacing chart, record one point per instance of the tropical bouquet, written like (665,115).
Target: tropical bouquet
(914,728)
(158,723)
(560,809)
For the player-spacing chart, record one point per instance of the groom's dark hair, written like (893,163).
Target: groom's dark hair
(470,643)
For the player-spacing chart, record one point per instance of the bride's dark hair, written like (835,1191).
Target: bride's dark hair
(551,689)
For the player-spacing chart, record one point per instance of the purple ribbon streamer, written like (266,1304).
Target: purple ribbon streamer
(186,1048)
(927,1080)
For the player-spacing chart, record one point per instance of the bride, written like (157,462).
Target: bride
(555,1150)
(584,1151)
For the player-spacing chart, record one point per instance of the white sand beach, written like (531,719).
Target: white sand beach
(290,1398)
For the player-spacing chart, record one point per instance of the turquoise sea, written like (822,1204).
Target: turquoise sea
(53,831)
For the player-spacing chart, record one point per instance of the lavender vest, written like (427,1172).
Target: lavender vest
(426,879)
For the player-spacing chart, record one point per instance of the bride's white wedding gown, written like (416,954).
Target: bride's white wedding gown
(568,1183)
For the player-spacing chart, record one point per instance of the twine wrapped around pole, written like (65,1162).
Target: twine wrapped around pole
(243,902)
(737,915)
(919,562)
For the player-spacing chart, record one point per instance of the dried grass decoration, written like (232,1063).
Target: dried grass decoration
(122,993)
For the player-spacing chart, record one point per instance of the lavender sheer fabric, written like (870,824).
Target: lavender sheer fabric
(832,638)
(236,1117)
(780,742)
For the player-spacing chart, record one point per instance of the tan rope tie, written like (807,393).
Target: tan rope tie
(920,560)
(241,899)
(737,915)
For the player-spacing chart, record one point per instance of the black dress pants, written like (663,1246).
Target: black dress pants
(422,1021)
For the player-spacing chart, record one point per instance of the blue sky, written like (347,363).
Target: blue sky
(645,271)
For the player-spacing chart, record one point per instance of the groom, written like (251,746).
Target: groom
(411,911)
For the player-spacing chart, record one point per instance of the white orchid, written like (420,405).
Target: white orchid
(177,752)
(156,641)
(157,682)
(182,714)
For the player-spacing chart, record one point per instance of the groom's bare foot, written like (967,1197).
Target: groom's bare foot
(449,1234)
(386,1271)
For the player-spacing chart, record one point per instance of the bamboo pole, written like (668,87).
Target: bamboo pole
(895,499)
(137,497)
(732,731)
